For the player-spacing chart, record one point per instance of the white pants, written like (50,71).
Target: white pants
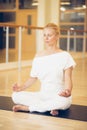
(39,102)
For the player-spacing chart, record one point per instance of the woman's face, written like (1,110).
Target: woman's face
(50,36)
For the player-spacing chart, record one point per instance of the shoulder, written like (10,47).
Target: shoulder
(66,53)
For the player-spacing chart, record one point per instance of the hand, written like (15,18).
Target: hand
(16,88)
(65,93)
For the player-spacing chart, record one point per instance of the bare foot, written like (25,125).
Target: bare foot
(20,107)
(54,112)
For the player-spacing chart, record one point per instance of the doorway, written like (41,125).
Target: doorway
(28,35)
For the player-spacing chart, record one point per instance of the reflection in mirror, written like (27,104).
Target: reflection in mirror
(28,4)
(73,17)
(7,4)
(10,18)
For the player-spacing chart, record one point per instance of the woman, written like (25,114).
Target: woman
(53,67)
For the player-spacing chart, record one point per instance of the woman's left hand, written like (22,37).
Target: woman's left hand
(65,93)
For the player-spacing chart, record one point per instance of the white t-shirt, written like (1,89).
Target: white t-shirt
(50,71)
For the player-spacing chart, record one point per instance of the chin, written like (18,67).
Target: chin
(47,43)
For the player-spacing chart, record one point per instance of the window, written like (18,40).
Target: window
(7,4)
(72,17)
(27,4)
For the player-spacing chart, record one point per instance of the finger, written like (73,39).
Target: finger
(62,94)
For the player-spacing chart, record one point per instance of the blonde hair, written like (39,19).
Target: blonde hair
(53,26)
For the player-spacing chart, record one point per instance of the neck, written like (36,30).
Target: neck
(52,48)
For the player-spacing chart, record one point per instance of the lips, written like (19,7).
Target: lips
(46,41)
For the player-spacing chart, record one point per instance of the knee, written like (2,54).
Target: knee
(66,104)
(14,96)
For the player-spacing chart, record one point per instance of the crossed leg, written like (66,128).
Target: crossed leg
(26,108)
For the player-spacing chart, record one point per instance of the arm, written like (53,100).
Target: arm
(28,83)
(68,82)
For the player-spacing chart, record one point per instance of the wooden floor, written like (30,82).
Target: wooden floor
(23,121)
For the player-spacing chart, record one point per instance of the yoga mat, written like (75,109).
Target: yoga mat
(75,112)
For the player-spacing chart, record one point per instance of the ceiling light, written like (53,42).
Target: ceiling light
(62,9)
(65,3)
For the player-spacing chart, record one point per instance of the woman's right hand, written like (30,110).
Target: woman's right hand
(16,88)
